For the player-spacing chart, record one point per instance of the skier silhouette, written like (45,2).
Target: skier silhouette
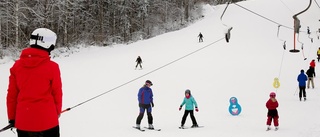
(139,62)
(200,37)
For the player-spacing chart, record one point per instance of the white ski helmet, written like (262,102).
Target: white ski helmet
(44,38)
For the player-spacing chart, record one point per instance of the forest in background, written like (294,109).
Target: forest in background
(94,22)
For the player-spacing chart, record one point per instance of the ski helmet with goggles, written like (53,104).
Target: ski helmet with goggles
(43,38)
(272,94)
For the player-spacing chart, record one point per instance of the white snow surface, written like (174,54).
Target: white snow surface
(213,70)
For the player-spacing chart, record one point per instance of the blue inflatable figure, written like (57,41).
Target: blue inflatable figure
(234,108)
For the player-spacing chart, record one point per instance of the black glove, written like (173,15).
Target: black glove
(11,122)
(152,105)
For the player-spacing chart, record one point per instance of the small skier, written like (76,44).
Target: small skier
(302,78)
(190,103)
(200,37)
(139,62)
(145,98)
(272,105)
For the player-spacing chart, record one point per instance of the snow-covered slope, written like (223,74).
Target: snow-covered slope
(213,70)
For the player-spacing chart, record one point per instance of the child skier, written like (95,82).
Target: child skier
(272,105)
(190,103)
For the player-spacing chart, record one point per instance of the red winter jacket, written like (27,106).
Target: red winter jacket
(313,63)
(34,97)
(272,104)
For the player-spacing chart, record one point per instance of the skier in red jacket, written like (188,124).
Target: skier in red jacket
(272,105)
(34,97)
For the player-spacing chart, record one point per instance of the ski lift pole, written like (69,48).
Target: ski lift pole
(224,12)
(227,34)
(297,26)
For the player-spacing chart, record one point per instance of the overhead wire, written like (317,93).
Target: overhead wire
(317,3)
(130,81)
(263,16)
(298,37)
(276,83)
(276,80)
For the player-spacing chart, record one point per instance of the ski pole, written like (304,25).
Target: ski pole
(296,91)
(6,127)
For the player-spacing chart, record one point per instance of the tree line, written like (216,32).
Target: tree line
(97,22)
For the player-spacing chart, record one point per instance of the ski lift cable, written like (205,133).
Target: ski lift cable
(316,3)
(277,79)
(286,6)
(281,63)
(130,81)
(263,16)
(289,9)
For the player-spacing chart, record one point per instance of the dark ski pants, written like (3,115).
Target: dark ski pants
(186,113)
(144,107)
(53,132)
(273,115)
(139,65)
(302,91)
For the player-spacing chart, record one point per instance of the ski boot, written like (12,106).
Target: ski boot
(194,126)
(138,126)
(150,126)
(268,128)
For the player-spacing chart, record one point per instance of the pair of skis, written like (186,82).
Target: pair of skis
(158,129)
(190,127)
(142,130)
(276,129)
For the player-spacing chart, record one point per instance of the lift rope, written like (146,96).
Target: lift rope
(276,83)
(304,58)
(68,109)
